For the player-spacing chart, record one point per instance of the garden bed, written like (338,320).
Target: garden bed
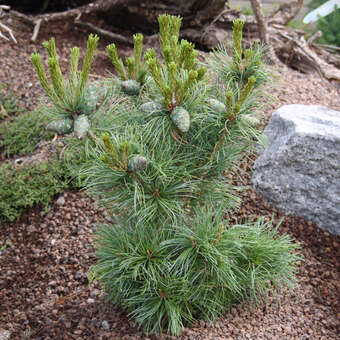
(44,291)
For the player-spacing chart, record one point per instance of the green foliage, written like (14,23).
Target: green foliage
(134,69)
(329,25)
(170,276)
(171,259)
(315,3)
(70,99)
(9,104)
(330,28)
(298,24)
(180,70)
(3,247)
(22,186)
(236,68)
(20,135)
(246,11)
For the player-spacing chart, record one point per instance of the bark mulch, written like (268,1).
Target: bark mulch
(44,291)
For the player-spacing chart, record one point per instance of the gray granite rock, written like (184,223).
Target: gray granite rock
(299,171)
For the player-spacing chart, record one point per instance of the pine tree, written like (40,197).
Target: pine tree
(171,256)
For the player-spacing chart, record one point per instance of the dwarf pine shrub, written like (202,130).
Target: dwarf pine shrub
(330,27)
(172,257)
(157,162)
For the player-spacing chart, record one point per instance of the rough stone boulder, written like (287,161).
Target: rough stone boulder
(299,171)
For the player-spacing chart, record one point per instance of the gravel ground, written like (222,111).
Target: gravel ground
(44,291)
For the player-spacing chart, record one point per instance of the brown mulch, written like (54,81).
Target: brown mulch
(44,291)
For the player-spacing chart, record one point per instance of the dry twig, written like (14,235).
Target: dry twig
(4,8)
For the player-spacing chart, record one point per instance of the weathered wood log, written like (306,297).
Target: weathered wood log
(134,14)
(299,55)
(205,22)
(285,13)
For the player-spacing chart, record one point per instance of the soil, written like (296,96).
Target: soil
(44,290)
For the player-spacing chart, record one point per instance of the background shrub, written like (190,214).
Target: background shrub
(316,3)
(21,134)
(329,25)
(23,186)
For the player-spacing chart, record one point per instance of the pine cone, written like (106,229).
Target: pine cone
(250,120)
(181,119)
(151,107)
(217,106)
(81,126)
(130,87)
(137,163)
(61,126)
(90,104)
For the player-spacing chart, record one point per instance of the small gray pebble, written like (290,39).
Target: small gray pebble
(31,229)
(105,325)
(61,200)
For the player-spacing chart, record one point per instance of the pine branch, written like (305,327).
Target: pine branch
(87,62)
(137,51)
(57,80)
(178,74)
(245,92)
(39,69)
(117,63)
(135,68)
(73,80)
(237,42)
(52,53)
